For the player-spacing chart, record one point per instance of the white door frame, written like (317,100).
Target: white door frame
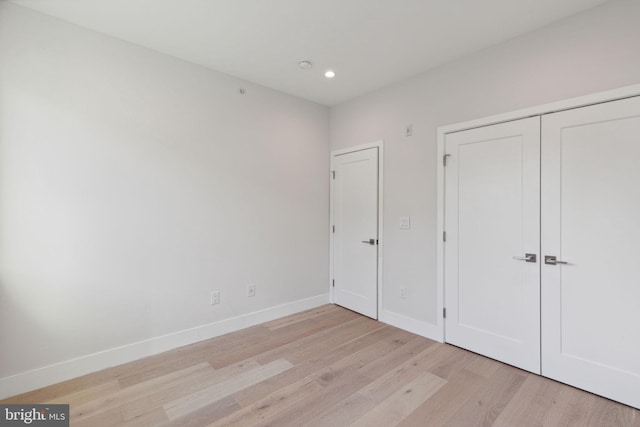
(596,98)
(380,146)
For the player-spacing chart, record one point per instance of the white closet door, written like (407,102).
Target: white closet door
(492,214)
(591,221)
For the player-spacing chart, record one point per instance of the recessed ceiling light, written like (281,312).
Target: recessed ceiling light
(330,74)
(305,65)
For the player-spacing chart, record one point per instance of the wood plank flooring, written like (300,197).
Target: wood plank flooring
(325,367)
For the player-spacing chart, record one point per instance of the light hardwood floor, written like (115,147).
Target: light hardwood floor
(325,367)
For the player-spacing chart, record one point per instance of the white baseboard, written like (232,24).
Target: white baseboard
(58,372)
(418,327)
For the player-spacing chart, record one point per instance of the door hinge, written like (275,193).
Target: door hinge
(333,283)
(444,159)
(333,174)
(444,236)
(444,313)
(333,228)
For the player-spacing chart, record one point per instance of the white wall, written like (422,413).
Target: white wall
(131,185)
(594,51)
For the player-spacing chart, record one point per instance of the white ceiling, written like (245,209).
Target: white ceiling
(369,43)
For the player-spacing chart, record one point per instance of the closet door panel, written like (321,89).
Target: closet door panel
(491,216)
(590,212)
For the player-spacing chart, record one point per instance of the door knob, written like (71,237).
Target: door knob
(551,260)
(527,258)
(370,241)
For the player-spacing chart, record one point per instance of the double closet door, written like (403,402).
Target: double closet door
(542,256)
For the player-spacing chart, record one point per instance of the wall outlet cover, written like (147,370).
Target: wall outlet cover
(215,297)
(405,222)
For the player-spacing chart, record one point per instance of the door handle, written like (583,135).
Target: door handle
(370,241)
(551,260)
(527,258)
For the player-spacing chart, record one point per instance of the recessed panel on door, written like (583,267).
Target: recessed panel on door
(591,225)
(355,236)
(492,241)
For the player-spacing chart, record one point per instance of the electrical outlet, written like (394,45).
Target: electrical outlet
(405,222)
(251,290)
(403,293)
(215,297)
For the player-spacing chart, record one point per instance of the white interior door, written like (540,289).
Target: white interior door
(492,211)
(355,236)
(591,221)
